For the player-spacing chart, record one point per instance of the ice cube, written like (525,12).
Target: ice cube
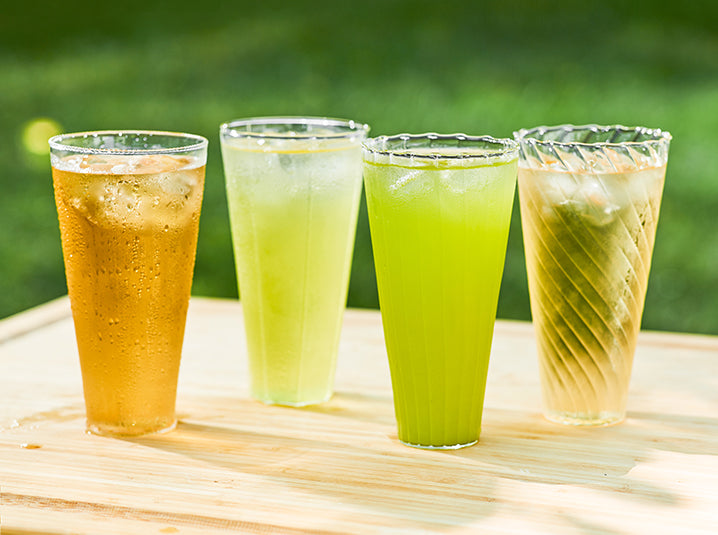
(454,180)
(593,202)
(175,184)
(404,179)
(558,187)
(96,163)
(287,162)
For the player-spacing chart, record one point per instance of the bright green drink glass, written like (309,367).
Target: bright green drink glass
(293,189)
(439,212)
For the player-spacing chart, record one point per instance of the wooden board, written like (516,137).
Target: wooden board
(234,464)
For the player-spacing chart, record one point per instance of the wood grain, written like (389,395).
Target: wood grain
(235,465)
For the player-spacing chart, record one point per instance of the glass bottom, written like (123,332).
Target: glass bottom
(302,403)
(128,431)
(443,447)
(589,419)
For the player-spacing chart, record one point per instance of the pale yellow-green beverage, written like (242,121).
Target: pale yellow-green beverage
(293,188)
(590,199)
(439,212)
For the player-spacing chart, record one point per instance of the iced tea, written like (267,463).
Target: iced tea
(129,228)
(589,213)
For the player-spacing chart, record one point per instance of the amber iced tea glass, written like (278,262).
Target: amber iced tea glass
(128,204)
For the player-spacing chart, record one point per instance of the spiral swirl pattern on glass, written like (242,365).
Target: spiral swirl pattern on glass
(590,198)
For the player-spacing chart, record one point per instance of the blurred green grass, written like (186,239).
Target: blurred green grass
(400,66)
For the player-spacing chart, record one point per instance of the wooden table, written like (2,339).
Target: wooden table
(234,464)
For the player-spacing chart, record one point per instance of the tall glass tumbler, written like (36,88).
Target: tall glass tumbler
(439,212)
(129,205)
(590,197)
(293,188)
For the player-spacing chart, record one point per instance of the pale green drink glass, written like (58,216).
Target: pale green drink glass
(293,189)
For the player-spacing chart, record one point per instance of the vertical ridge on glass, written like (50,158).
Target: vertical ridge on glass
(428,241)
(293,188)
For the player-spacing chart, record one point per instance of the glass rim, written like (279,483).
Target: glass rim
(653,135)
(507,145)
(350,127)
(57,142)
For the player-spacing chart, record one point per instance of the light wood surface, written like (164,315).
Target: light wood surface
(235,465)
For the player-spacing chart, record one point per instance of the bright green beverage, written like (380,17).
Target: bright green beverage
(293,187)
(439,218)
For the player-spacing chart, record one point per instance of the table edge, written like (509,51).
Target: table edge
(59,309)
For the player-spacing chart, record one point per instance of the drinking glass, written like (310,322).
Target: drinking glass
(439,213)
(590,197)
(128,204)
(293,189)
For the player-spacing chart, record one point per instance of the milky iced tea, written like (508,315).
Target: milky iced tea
(589,223)
(129,233)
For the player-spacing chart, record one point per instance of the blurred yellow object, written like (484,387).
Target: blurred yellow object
(36,132)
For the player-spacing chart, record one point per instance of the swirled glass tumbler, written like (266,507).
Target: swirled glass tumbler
(590,197)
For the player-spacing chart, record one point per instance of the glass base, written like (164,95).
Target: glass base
(588,419)
(295,404)
(128,431)
(445,447)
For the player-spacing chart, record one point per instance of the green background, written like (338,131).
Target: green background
(400,66)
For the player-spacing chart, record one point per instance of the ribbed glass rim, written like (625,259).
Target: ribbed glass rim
(242,128)
(194,142)
(378,146)
(642,135)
